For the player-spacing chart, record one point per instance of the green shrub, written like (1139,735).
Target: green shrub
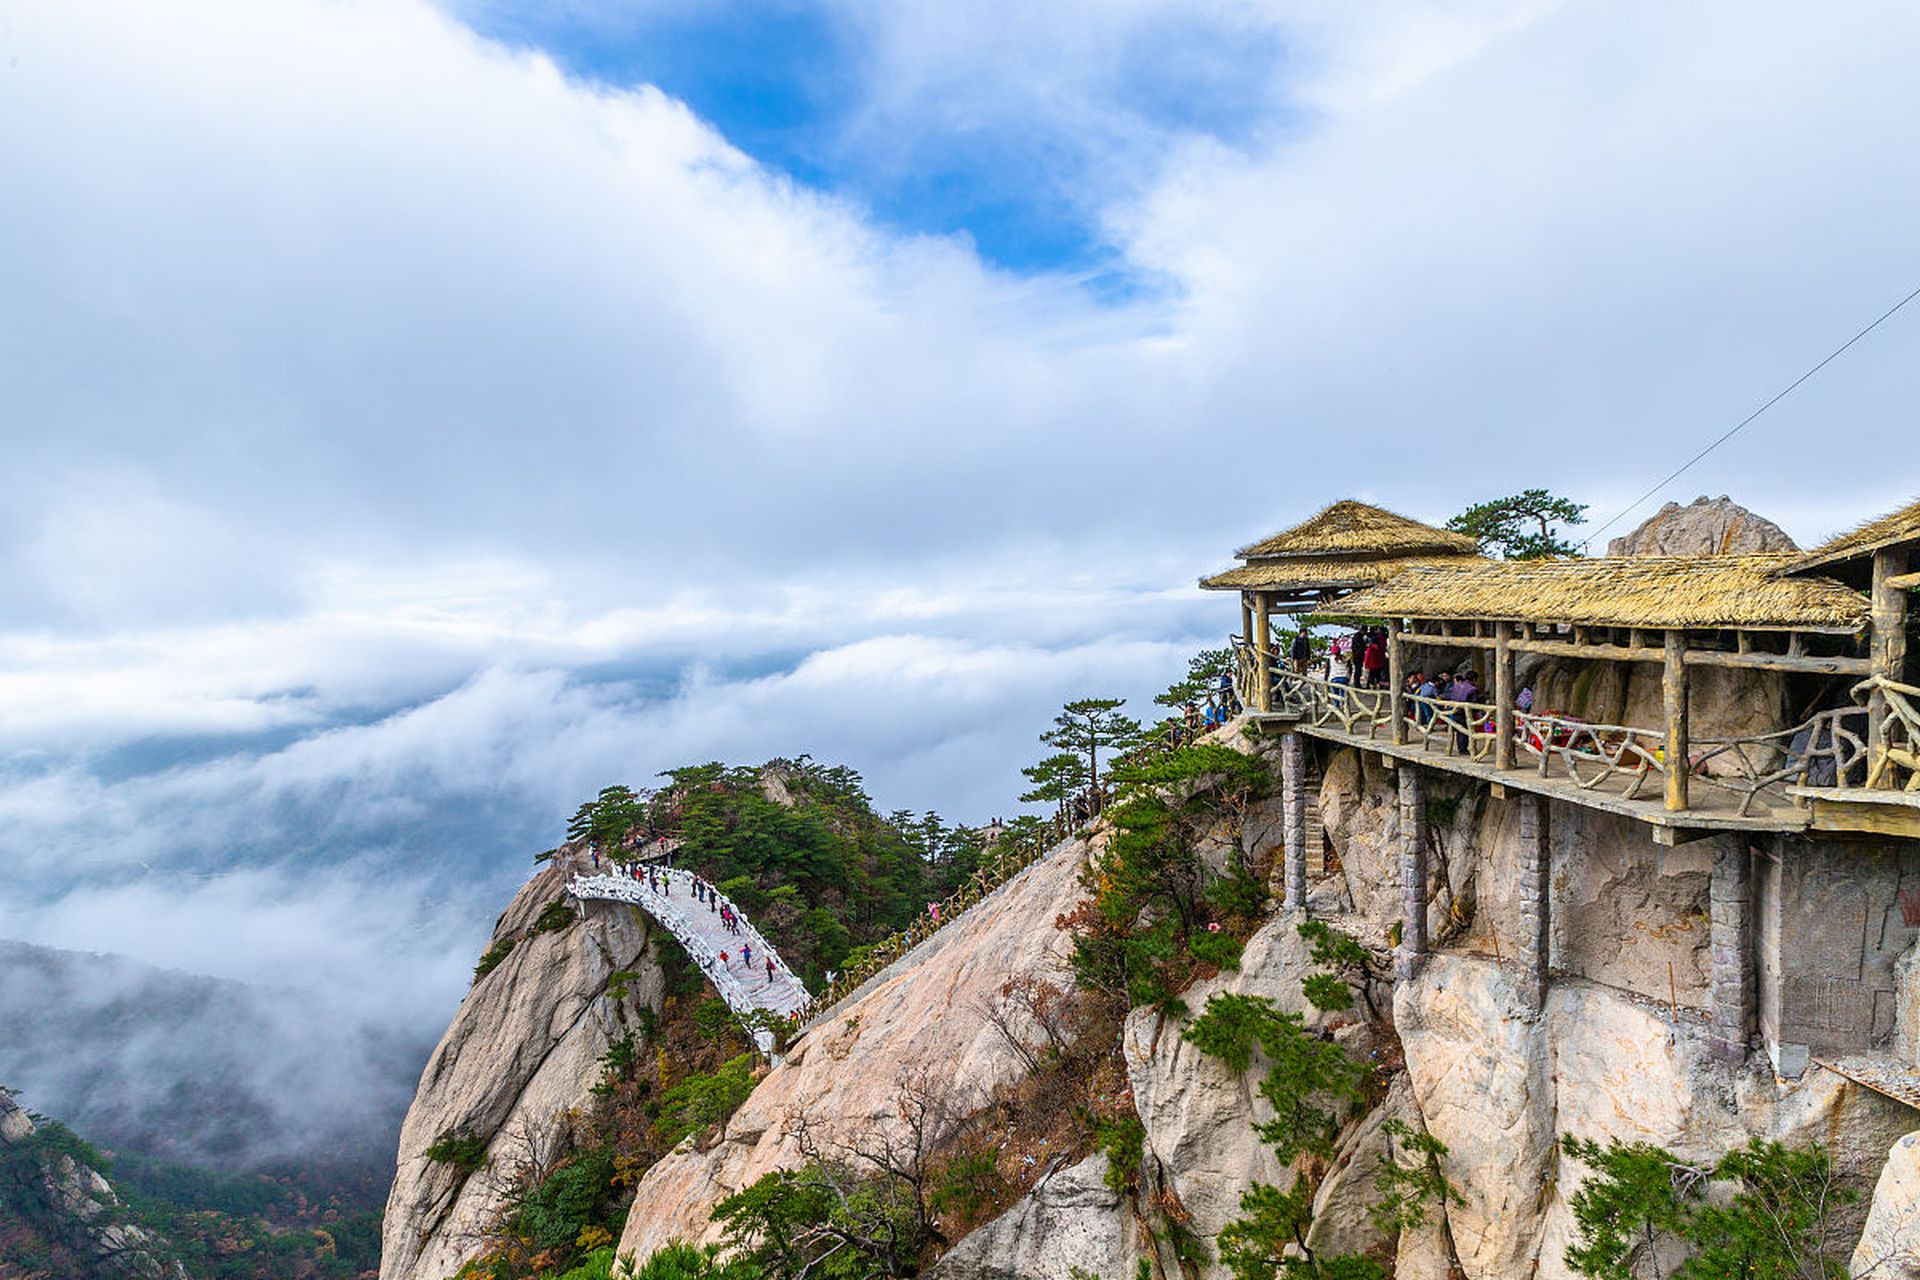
(579,1194)
(700,1101)
(491,958)
(1328,992)
(1221,950)
(462,1150)
(968,1183)
(554,917)
(1123,1139)
(681,1261)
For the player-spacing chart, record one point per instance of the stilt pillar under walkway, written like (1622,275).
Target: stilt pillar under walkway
(1536,897)
(1293,793)
(1731,990)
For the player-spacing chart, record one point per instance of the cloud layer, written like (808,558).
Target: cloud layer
(406,438)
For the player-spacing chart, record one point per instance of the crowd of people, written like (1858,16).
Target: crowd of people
(1360,660)
(660,882)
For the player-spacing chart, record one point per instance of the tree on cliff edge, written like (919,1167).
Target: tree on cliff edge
(1522,527)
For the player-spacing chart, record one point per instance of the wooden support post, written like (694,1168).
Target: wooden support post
(1502,696)
(1293,795)
(1889,651)
(1413,875)
(1263,654)
(1397,682)
(1673,689)
(1536,896)
(1730,935)
(1246,616)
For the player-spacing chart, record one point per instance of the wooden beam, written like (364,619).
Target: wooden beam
(1502,696)
(1673,689)
(1757,661)
(1904,581)
(1262,654)
(1397,683)
(1568,649)
(1889,645)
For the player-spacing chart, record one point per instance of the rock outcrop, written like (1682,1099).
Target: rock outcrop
(918,1017)
(1071,1221)
(1890,1245)
(1705,526)
(72,1208)
(1199,1115)
(523,1050)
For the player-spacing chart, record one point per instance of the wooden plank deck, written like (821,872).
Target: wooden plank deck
(1713,808)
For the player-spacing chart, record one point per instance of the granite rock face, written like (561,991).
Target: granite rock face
(522,1052)
(920,1016)
(1071,1220)
(1891,1240)
(1199,1114)
(1705,526)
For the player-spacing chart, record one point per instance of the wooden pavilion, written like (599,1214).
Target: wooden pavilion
(1346,547)
(1794,807)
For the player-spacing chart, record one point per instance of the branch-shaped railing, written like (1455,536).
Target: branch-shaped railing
(1899,749)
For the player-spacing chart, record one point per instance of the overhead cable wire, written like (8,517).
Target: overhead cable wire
(1735,429)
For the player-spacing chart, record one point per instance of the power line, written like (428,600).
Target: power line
(1788,390)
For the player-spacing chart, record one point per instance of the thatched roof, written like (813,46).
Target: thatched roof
(1298,574)
(1356,529)
(1638,591)
(1902,526)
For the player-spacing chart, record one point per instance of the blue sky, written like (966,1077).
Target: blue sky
(791,82)
(408,436)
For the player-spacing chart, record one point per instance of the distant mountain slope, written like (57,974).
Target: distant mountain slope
(199,1069)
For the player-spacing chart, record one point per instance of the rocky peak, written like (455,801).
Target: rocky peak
(1706,526)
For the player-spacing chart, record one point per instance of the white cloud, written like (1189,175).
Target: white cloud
(403,440)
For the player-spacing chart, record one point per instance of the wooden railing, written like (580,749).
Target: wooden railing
(1592,754)
(1829,749)
(1899,750)
(1826,751)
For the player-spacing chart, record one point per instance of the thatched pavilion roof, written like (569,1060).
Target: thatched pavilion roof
(1900,526)
(1355,529)
(1298,574)
(1622,591)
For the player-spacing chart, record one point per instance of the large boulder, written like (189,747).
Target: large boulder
(1889,1245)
(1071,1221)
(1706,526)
(1344,1204)
(523,1052)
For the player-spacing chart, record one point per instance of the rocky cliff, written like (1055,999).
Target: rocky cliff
(920,1017)
(61,1217)
(1617,1049)
(523,1052)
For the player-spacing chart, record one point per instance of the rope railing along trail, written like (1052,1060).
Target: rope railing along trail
(698,928)
(1004,867)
